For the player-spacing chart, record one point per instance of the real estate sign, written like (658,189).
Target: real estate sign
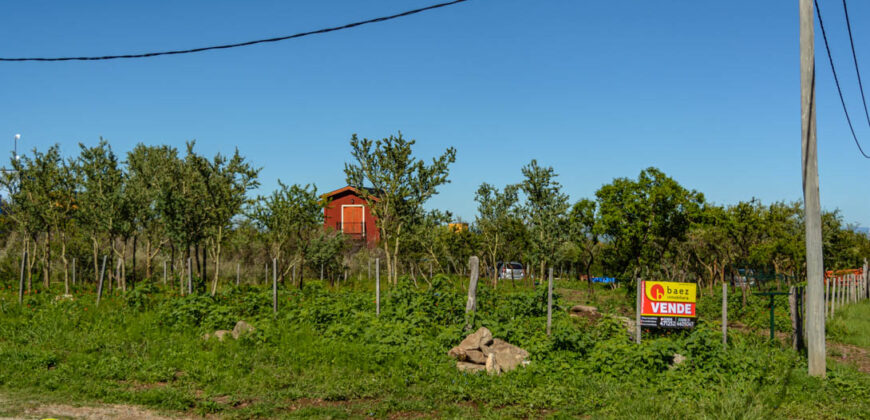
(667,304)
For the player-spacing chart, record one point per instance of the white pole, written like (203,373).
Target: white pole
(812,207)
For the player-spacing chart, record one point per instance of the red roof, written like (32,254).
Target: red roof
(348,188)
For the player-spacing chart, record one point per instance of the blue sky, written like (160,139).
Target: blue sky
(706,91)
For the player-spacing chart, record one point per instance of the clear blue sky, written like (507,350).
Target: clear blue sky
(706,91)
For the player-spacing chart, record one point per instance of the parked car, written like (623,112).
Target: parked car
(511,270)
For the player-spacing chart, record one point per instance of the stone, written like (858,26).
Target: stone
(492,367)
(475,356)
(470,367)
(584,309)
(481,337)
(242,328)
(629,325)
(457,353)
(678,360)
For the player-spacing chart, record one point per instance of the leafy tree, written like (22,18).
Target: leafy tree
(495,209)
(545,210)
(100,197)
(290,219)
(147,167)
(227,182)
(583,234)
(400,183)
(644,218)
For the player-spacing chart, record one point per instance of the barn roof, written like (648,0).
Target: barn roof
(354,190)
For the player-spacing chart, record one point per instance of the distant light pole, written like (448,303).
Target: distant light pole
(17,137)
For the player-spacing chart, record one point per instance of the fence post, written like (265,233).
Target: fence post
(238,273)
(275,285)
(637,331)
(828,299)
(100,283)
(471,304)
(21,282)
(792,309)
(724,314)
(550,302)
(321,272)
(164,273)
(378,286)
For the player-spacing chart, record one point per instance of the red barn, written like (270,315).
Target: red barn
(347,212)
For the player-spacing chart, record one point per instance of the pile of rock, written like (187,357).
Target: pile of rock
(239,330)
(479,352)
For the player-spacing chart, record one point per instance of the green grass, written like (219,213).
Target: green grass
(326,355)
(851,325)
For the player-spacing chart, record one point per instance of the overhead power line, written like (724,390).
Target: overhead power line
(855,59)
(837,80)
(240,44)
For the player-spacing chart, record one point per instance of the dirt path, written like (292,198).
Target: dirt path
(17,409)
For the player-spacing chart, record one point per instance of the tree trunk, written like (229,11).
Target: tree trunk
(46,261)
(204,278)
(65,262)
(217,260)
(96,261)
(133,273)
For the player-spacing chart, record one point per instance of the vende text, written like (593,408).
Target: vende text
(669,308)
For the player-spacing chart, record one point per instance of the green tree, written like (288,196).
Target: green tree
(400,183)
(545,210)
(644,218)
(495,209)
(583,234)
(290,218)
(101,197)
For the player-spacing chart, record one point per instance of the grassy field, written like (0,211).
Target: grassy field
(851,325)
(326,355)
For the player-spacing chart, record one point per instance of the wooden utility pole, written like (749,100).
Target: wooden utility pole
(812,207)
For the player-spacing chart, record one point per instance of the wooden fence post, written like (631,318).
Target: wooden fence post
(550,302)
(100,283)
(471,304)
(793,311)
(828,312)
(21,282)
(724,314)
(378,286)
(321,272)
(275,285)
(238,273)
(637,331)
(164,273)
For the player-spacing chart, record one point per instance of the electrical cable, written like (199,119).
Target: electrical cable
(240,44)
(855,59)
(837,81)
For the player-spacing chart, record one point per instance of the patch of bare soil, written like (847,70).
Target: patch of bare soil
(849,354)
(101,412)
(843,353)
